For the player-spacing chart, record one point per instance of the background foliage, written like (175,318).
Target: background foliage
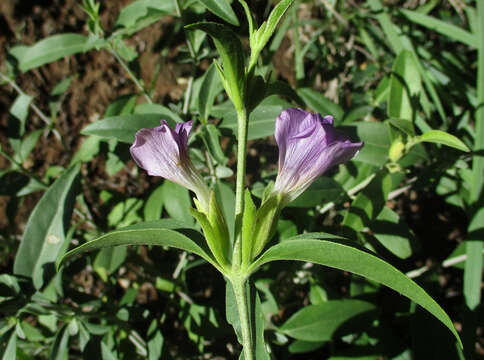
(78,81)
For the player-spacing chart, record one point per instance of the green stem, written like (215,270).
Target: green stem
(132,76)
(19,167)
(239,286)
(242,121)
(12,83)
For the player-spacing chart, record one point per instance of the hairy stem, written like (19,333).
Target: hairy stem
(242,121)
(239,286)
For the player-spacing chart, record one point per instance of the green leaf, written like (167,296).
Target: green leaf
(27,145)
(212,137)
(319,103)
(9,339)
(226,198)
(392,233)
(122,105)
(441,137)
(403,125)
(222,9)
(322,191)
(164,112)
(345,256)
(444,28)
(381,92)
(45,232)
(20,109)
(266,30)
(108,261)
(89,148)
(176,200)
(62,86)
(210,88)
(398,42)
(368,203)
(324,321)
(261,120)
(142,13)
(300,346)
(376,138)
(230,49)
(405,85)
(48,50)
(158,233)
(60,350)
(123,128)
(154,205)
(248,223)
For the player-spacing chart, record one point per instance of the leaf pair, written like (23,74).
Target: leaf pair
(313,247)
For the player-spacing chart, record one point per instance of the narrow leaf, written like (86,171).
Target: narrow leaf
(45,232)
(347,257)
(211,86)
(49,49)
(404,86)
(444,28)
(222,9)
(159,233)
(441,137)
(322,322)
(265,32)
(319,103)
(123,128)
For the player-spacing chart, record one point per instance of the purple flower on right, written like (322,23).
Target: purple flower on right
(308,146)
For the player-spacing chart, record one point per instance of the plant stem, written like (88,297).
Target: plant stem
(12,83)
(242,121)
(239,286)
(132,76)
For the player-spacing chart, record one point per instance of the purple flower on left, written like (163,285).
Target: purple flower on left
(163,152)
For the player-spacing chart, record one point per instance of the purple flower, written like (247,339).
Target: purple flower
(308,146)
(163,152)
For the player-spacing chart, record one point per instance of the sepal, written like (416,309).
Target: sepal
(214,228)
(248,222)
(219,225)
(266,222)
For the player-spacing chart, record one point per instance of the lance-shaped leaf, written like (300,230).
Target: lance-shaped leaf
(259,38)
(46,228)
(441,137)
(164,232)
(230,49)
(124,127)
(222,9)
(345,256)
(49,49)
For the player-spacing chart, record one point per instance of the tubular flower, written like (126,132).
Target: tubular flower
(308,146)
(163,152)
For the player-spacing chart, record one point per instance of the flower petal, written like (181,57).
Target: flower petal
(308,146)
